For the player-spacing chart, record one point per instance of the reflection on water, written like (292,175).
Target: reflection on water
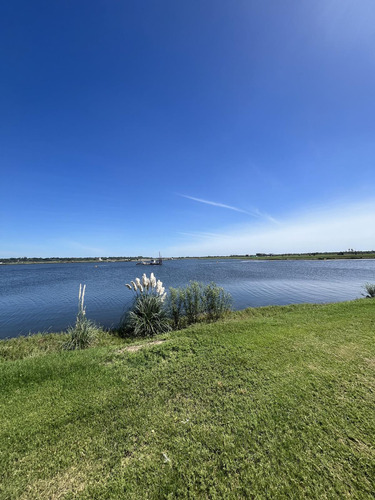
(43,297)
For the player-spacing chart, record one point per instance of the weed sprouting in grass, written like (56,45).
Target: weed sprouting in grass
(370,289)
(84,331)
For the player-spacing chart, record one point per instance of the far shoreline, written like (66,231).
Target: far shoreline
(349,255)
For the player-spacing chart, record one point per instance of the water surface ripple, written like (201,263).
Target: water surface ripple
(43,297)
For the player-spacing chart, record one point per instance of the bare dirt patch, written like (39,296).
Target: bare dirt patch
(135,348)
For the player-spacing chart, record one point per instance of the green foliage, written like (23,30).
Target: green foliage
(32,345)
(41,344)
(176,300)
(216,302)
(370,289)
(276,402)
(81,335)
(193,301)
(84,332)
(147,317)
(197,302)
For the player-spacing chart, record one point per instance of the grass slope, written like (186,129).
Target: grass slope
(275,402)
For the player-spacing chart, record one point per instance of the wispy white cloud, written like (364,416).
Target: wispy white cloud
(214,203)
(266,216)
(201,234)
(252,213)
(325,229)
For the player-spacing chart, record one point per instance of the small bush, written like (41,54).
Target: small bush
(82,335)
(193,301)
(84,332)
(370,289)
(147,317)
(216,302)
(176,306)
(197,302)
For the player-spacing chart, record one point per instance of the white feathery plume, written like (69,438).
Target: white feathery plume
(145,280)
(145,284)
(81,298)
(159,285)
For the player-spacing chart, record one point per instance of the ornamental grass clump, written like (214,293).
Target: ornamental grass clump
(193,301)
(84,332)
(147,316)
(176,306)
(370,289)
(216,302)
(197,302)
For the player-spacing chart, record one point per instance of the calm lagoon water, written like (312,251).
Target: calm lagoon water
(43,297)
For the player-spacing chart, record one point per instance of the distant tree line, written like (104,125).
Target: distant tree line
(13,260)
(307,254)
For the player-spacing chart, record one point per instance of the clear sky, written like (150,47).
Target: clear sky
(186,127)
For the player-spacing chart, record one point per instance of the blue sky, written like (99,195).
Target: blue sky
(190,128)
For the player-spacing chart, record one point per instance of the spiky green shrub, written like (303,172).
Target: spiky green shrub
(147,317)
(81,335)
(216,302)
(84,332)
(370,289)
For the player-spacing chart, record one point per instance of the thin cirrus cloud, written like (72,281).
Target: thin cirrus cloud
(325,229)
(253,213)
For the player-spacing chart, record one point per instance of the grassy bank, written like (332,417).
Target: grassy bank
(274,402)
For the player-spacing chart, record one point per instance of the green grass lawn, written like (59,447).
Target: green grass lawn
(275,402)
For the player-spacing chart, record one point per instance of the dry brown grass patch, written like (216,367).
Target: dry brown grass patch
(135,348)
(69,482)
